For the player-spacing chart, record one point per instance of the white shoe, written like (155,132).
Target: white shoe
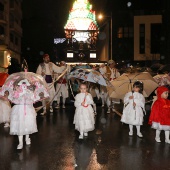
(102,105)
(85,134)
(57,107)
(28,141)
(43,113)
(158,140)
(51,109)
(140,135)
(130,133)
(167,141)
(80,136)
(6,125)
(64,107)
(20,146)
(108,111)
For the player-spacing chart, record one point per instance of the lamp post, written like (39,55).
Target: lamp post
(111,37)
(100,17)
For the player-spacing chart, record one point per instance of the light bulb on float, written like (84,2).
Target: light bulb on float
(81,20)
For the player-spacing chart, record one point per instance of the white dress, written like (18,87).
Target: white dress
(131,115)
(23,116)
(84,116)
(5,111)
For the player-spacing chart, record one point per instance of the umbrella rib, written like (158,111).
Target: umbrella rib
(126,82)
(135,76)
(123,84)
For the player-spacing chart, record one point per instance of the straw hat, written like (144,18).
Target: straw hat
(111,62)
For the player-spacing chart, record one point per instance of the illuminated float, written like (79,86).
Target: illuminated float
(81,26)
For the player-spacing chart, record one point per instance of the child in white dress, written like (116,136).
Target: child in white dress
(23,115)
(84,114)
(134,107)
(5,110)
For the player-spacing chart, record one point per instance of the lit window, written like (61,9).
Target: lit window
(69,55)
(120,33)
(92,55)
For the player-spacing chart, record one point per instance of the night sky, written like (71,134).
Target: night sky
(42,21)
(45,19)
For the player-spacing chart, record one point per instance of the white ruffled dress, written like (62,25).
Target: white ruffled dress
(84,116)
(23,115)
(131,115)
(5,111)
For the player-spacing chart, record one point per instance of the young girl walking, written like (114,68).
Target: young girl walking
(84,114)
(23,115)
(160,114)
(23,94)
(134,107)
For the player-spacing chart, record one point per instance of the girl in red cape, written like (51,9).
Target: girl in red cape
(160,114)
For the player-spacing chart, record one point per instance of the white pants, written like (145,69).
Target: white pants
(109,101)
(62,90)
(158,135)
(51,91)
(103,96)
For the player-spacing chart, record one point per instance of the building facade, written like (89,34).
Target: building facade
(140,31)
(10,31)
(138,37)
(147,31)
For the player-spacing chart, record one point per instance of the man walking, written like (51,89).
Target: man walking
(47,70)
(61,87)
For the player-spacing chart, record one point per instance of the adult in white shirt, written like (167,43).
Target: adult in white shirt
(102,69)
(61,87)
(47,69)
(103,90)
(110,73)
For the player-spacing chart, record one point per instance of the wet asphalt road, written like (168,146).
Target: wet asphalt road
(56,146)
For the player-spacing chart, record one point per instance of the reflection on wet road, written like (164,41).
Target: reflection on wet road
(56,146)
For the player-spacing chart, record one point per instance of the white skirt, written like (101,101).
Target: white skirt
(131,116)
(23,120)
(5,111)
(84,119)
(158,126)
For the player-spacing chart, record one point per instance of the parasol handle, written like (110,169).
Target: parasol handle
(85,100)
(133,100)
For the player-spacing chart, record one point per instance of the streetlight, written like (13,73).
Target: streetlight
(100,17)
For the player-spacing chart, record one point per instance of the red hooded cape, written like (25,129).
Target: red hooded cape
(160,112)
